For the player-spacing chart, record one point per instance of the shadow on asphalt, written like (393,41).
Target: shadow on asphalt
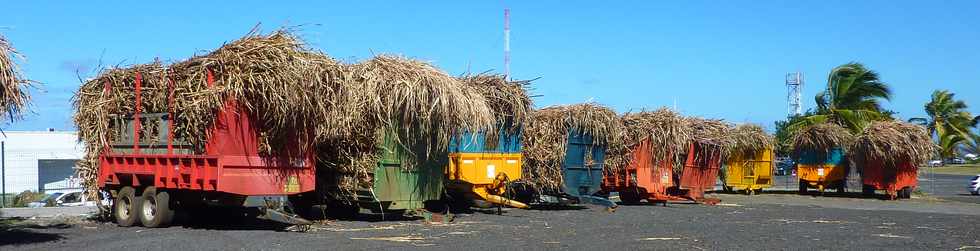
(12,234)
(812,193)
(556,207)
(379,217)
(225,219)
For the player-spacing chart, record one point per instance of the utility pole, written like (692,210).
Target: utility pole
(3,173)
(507,44)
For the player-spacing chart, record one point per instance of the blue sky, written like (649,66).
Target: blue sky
(720,59)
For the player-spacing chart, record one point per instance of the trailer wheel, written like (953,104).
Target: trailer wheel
(868,191)
(630,197)
(802,187)
(302,205)
(523,193)
(840,189)
(155,210)
(125,206)
(905,193)
(343,210)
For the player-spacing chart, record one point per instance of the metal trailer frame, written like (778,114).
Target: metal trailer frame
(750,173)
(229,172)
(700,172)
(477,173)
(641,178)
(829,172)
(582,171)
(898,181)
(396,188)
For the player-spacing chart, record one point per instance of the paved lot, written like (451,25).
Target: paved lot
(942,186)
(778,220)
(46,211)
(947,187)
(773,221)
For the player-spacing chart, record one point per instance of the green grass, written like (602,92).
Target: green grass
(967,169)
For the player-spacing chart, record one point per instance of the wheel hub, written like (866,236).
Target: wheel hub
(149,208)
(124,207)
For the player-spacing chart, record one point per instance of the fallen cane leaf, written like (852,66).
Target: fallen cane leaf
(659,239)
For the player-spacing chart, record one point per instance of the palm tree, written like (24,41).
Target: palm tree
(852,98)
(949,122)
(973,145)
(949,144)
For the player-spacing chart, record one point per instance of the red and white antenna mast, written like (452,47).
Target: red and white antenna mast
(506,43)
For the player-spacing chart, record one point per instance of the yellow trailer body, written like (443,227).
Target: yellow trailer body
(750,173)
(821,176)
(485,174)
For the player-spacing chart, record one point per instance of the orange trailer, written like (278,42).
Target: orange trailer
(700,171)
(641,178)
(898,181)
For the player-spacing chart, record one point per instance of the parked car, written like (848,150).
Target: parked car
(935,163)
(785,167)
(970,156)
(72,199)
(955,161)
(974,187)
(48,200)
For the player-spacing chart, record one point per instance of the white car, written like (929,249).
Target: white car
(72,199)
(44,201)
(935,163)
(974,187)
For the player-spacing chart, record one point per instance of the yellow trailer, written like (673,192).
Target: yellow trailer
(485,175)
(750,173)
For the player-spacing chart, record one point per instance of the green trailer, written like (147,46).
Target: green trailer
(397,188)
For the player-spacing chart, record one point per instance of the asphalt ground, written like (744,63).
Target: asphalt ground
(740,222)
(778,220)
(943,186)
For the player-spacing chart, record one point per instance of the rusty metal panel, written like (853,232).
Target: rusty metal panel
(700,169)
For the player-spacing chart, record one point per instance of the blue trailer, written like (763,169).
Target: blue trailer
(582,170)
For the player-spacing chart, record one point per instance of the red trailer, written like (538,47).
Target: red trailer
(700,172)
(641,178)
(644,180)
(149,178)
(898,181)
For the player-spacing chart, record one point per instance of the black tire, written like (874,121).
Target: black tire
(840,189)
(803,187)
(302,205)
(155,210)
(905,193)
(457,201)
(868,191)
(629,197)
(343,210)
(124,207)
(523,193)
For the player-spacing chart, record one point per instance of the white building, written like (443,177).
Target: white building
(40,161)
